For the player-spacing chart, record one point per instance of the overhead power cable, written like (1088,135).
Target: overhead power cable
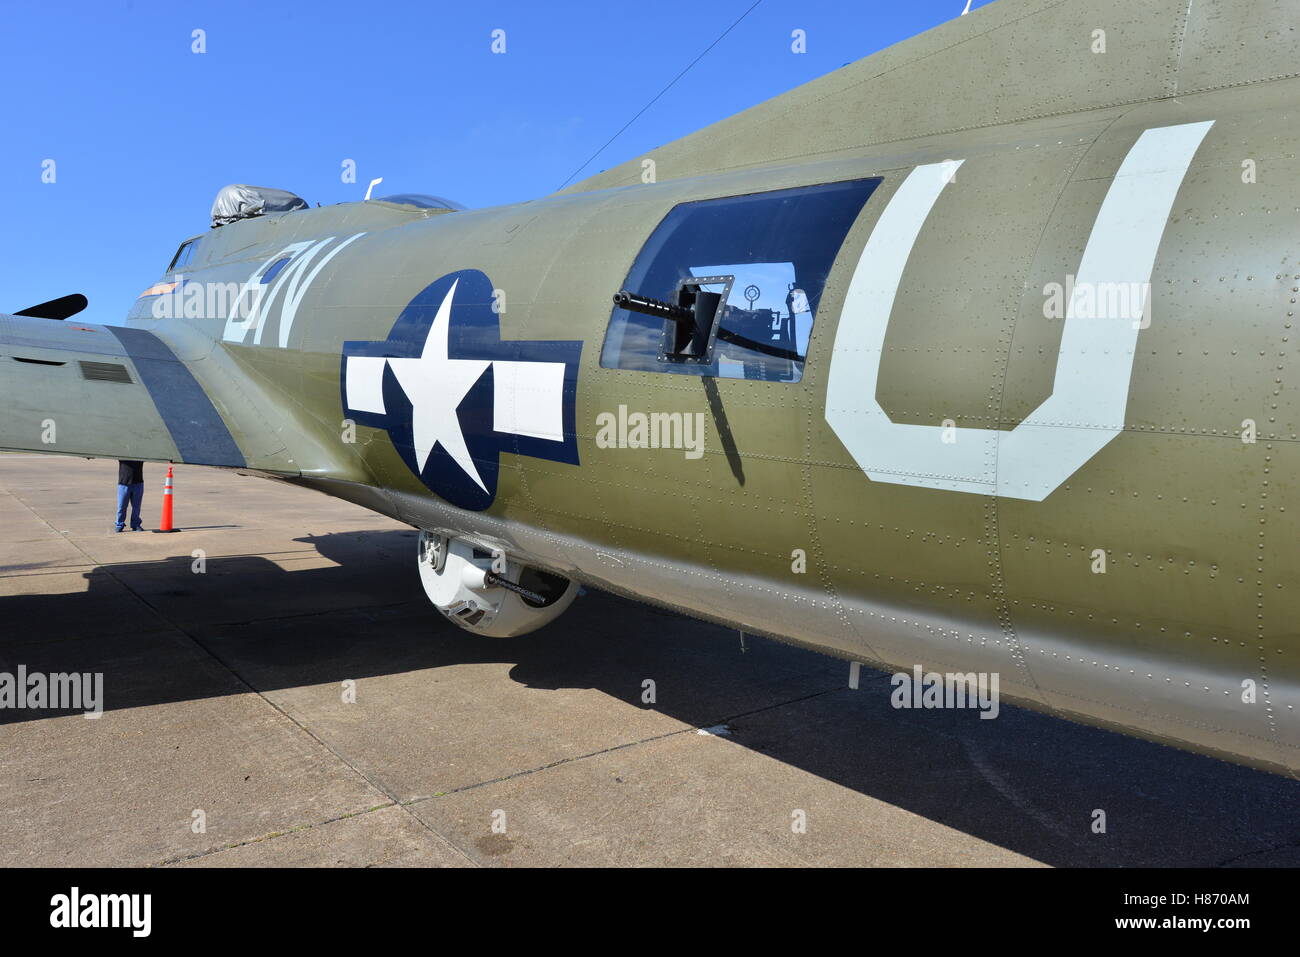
(659,94)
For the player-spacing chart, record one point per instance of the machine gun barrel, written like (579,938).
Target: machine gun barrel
(653,307)
(500,581)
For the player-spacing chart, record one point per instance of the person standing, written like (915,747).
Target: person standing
(130,491)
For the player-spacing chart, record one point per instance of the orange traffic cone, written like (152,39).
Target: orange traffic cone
(166,524)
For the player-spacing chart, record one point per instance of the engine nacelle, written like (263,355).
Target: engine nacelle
(482,590)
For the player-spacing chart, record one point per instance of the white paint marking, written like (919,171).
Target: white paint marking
(365,383)
(528,399)
(1093,370)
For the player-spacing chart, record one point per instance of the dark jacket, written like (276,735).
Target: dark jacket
(130,473)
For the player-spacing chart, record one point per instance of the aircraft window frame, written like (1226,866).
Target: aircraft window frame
(785,240)
(184,255)
(274,270)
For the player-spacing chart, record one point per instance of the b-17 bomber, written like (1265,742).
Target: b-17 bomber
(973,358)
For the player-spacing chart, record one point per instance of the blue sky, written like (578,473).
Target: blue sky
(143,131)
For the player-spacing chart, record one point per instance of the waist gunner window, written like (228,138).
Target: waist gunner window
(775,247)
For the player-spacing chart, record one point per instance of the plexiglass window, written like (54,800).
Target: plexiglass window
(778,245)
(184,255)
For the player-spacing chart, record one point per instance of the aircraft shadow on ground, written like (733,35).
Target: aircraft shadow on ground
(1030,783)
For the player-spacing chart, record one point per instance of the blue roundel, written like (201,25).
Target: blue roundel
(453,395)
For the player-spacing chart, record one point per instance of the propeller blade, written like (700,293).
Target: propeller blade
(60,308)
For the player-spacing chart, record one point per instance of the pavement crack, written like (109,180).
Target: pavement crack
(368,778)
(1283,845)
(248,686)
(182,858)
(615,747)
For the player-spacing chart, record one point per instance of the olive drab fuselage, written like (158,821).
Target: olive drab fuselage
(982,463)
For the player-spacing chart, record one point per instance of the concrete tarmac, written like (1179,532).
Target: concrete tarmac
(227,651)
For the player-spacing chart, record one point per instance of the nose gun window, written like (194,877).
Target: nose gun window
(778,248)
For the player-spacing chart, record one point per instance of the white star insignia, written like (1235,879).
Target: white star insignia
(527,400)
(435,386)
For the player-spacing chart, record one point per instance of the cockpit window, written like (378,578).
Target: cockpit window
(778,246)
(184,255)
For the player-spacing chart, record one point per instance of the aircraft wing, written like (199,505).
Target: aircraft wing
(82,389)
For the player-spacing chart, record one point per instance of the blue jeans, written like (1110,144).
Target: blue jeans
(134,495)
